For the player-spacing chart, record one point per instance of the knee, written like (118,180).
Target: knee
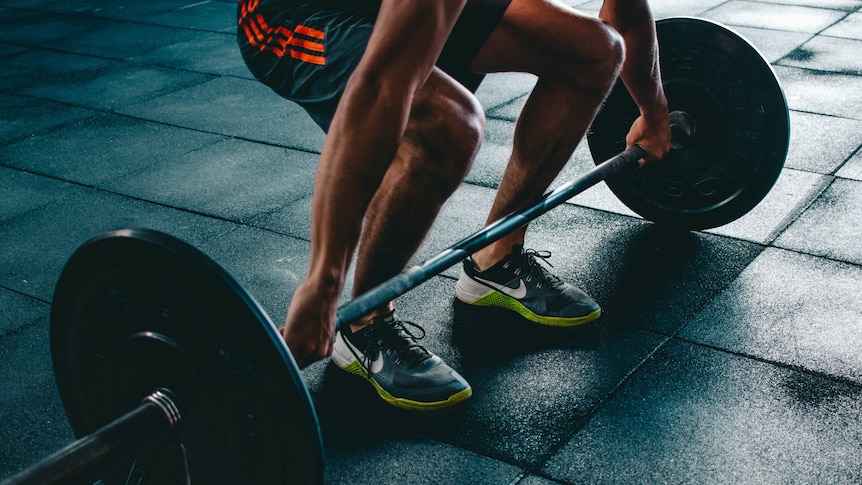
(447,129)
(608,56)
(451,125)
(598,66)
(614,48)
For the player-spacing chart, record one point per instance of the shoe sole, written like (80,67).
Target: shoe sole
(348,362)
(357,369)
(499,300)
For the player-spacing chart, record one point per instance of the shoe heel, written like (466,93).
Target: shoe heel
(470,291)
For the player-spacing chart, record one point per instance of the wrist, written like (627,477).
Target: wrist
(657,110)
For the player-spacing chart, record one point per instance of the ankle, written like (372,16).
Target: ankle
(367,320)
(491,255)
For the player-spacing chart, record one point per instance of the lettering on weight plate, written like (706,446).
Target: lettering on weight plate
(733,89)
(743,148)
(707,187)
(651,182)
(681,58)
(165,308)
(747,137)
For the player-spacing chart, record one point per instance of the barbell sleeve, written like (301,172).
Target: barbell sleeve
(84,461)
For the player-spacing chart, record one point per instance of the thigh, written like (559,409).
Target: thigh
(472,30)
(537,35)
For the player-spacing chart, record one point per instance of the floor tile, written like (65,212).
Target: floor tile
(676,8)
(792,193)
(789,308)
(116,40)
(32,257)
(200,15)
(22,117)
(223,56)
(22,27)
(8,50)
(233,179)
(853,168)
(814,144)
(827,54)
(847,5)
(694,415)
(774,16)
(36,67)
(293,219)
(269,266)
(497,89)
(97,150)
(134,12)
(58,6)
(822,92)
(439,463)
(830,227)
(17,310)
(34,422)
(849,28)
(239,107)
(771,44)
(23,192)
(122,85)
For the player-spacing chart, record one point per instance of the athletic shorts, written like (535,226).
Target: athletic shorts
(307,54)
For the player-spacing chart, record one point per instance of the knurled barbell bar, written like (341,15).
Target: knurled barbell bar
(169,370)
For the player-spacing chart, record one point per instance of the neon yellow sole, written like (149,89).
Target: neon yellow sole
(497,299)
(356,369)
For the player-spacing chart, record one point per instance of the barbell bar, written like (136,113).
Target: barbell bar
(169,370)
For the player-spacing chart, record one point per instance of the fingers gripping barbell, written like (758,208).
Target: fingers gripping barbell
(170,371)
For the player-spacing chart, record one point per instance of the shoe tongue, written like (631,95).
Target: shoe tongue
(405,343)
(384,319)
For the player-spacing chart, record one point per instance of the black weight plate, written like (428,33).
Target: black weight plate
(741,134)
(136,310)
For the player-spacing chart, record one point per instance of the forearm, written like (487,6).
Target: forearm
(640,71)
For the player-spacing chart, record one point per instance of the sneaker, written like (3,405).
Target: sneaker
(520,283)
(402,372)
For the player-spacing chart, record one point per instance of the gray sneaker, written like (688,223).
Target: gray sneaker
(521,284)
(402,372)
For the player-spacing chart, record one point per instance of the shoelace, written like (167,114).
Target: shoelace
(396,336)
(532,257)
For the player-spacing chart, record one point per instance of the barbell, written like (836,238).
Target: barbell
(170,371)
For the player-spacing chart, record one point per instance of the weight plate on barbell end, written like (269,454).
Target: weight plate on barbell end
(740,138)
(136,310)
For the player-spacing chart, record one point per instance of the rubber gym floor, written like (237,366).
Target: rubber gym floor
(731,355)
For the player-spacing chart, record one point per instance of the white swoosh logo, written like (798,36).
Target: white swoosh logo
(376,364)
(516,293)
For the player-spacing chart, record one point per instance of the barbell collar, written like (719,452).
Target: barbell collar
(156,421)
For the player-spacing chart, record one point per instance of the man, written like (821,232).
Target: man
(390,81)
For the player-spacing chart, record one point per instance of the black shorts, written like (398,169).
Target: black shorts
(306,55)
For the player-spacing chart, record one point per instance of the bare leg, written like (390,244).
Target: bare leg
(442,138)
(443,133)
(577,59)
